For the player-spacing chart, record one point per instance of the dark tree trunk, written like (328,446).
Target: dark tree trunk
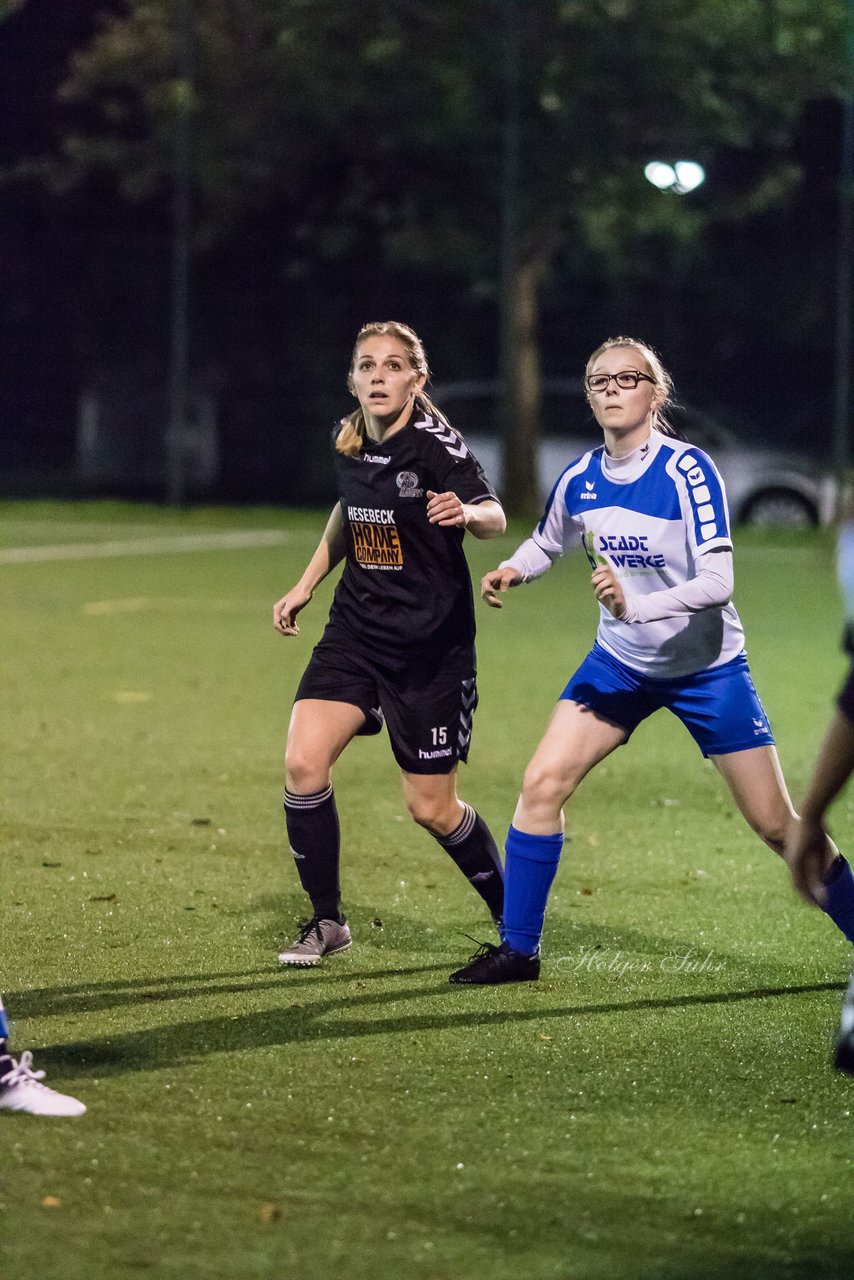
(522,387)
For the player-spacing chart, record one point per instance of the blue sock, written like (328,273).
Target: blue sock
(839,902)
(529,869)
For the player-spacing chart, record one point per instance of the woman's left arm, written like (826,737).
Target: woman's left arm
(482,519)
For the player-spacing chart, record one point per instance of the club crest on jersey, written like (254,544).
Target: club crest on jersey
(407,483)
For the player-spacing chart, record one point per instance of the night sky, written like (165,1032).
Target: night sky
(84,282)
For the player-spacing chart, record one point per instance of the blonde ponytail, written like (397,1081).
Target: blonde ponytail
(351,434)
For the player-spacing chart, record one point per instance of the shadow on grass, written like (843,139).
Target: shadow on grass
(40,1002)
(162,1048)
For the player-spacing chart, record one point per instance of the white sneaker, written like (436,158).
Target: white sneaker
(21,1090)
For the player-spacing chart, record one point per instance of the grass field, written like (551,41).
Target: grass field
(660,1105)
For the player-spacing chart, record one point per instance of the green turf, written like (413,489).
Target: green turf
(659,1106)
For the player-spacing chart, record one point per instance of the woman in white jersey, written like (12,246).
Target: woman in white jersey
(651,513)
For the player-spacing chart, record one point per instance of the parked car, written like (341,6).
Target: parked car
(765,486)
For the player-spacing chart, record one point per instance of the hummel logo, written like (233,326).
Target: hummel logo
(481,876)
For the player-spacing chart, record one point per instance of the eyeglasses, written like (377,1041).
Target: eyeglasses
(628,379)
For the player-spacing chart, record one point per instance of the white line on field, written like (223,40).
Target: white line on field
(145,546)
(162,604)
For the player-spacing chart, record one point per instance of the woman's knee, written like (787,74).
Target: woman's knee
(305,772)
(432,801)
(771,828)
(546,785)
(774,840)
(428,812)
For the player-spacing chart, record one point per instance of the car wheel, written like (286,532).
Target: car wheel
(780,506)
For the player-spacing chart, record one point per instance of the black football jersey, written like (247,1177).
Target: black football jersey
(406,581)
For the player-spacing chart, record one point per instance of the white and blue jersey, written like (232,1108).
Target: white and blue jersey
(650,521)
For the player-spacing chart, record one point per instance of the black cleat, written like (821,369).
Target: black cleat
(491,964)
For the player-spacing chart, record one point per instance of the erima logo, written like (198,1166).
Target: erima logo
(590,486)
(761,726)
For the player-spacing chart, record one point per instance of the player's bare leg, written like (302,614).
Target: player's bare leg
(756,782)
(758,787)
(318,733)
(575,740)
(432,800)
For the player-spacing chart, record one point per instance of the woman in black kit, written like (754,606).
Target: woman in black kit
(399,643)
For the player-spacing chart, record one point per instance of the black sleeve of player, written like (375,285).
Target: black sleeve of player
(455,466)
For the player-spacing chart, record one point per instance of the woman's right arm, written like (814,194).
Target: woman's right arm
(527,562)
(329,553)
(536,555)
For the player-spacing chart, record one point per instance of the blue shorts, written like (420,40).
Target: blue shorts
(719,707)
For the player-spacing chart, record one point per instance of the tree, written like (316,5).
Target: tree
(396,124)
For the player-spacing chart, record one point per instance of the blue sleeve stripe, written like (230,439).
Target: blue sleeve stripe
(706,496)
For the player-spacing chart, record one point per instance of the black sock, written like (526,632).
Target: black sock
(314,836)
(472,848)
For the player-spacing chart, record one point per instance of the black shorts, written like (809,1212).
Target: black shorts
(427,701)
